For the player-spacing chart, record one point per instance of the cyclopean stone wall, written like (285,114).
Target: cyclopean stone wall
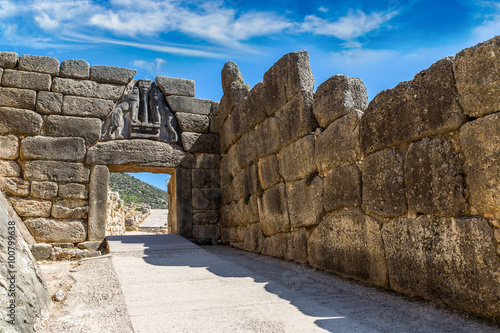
(63,127)
(402,192)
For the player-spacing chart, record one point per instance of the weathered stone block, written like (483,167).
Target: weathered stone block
(349,243)
(15,186)
(174,86)
(9,168)
(30,207)
(49,102)
(230,73)
(206,232)
(297,160)
(200,143)
(18,98)
(73,209)
(245,183)
(111,74)
(305,202)
(206,198)
(9,147)
(296,118)
(19,121)
(43,190)
(86,88)
(51,230)
(49,148)
(184,197)
(215,125)
(229,235)
(383,183)
(41,251)
(269,172)
(242,213)
(434,178)
(342,188)
(273,210)
(87,128)
(86,107)
(273,246)
(40,64)
(99,179)
(208,161)
(296,246)
(206,217)
(56,171)
(206,178)
(26,80)
(189,104)
(427,105)
(451,259)
(75,69)
(339,144)
(8,60)
(286,78)
(254,238)
(266,139)
(480,140)
(141,153)
(192,122)
(477,75)
(92,245)
(73,191)
(337,97)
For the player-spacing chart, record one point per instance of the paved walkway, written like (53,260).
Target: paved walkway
(156,220)
(172,285)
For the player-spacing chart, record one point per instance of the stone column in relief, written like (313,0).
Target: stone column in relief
(183,191)
(99,178)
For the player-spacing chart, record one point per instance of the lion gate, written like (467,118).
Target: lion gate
(65,126)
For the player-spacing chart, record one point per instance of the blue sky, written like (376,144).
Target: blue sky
(381,42)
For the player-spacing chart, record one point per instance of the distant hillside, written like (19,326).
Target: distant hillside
(132,190)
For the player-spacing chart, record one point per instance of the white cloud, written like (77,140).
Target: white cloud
(490,27)
(323,9)
(7,8)
(151,66)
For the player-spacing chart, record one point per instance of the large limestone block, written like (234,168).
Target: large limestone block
(480,141)
(249,112)
(98,198)
(184,194)
(86,107)
(451,259)
(296,118)
(246,183)
(286,78)
(435,178)
(30,207)
(87,128)
(111,74)
(427,105)
(189,104)
(44,190)
(191,122)
(9,168)
(242,213)
(230,74)
(349,243)
(206,198)
(174,86)
(19,121)
(305,202)
(339,144)
(8,60)
(477,75)
(26,80)
(342,188)
(206,178)
(297,160)
(296,246)
(49,230)
(337,97)
(269,172)
(73,209)
(144,153)
(200,143)
(73,191)
(266,139)
(87,88)
(50,148)
(15,186)
(18,98)
(237,93)
(75,68)
(206,217)
(273,246)
(49,103)
(383,183)
(56,171)
(254,239)
(273,210)
(208,161)
(201,232)
(9,147)
(40,64)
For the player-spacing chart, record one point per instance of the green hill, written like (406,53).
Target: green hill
(133,190)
